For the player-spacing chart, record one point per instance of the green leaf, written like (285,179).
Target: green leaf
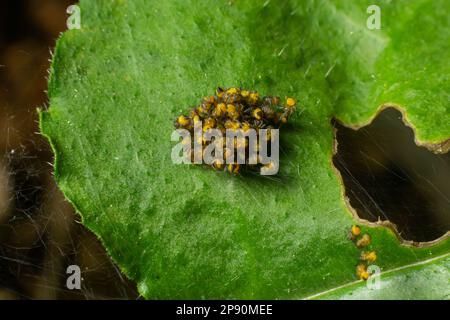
(187,232)
(424,280)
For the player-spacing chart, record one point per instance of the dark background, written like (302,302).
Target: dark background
(40,234)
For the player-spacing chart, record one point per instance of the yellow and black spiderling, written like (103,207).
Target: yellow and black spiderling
(237,109)
(354,233)
(361,271)
(369,256)
(362,240)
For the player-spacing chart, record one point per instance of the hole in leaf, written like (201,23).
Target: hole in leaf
(388,177)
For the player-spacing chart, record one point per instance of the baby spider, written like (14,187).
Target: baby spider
(236,109)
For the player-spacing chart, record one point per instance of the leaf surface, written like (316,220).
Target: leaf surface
(187,232)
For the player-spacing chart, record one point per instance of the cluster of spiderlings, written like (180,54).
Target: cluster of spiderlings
(234,109)
(366,257)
